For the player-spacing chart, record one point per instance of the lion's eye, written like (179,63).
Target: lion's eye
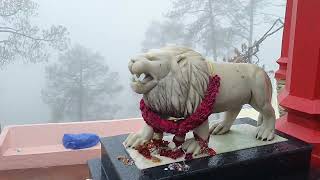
(152,58)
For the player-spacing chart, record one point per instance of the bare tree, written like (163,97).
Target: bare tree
(247,52)
(244,15)
(160,33)
(206,23)
(215,26)
(19,38)
(80,86)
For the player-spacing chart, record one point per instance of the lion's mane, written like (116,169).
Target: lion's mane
(181,91)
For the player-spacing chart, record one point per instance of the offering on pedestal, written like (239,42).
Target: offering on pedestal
(284,158)
(181,89)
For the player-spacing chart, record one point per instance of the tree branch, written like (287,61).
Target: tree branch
(247,53)
(237,22)
(9,28)
(255,47)
(12,31)
(12,13)
(196,11)
(268,14)
(4,41)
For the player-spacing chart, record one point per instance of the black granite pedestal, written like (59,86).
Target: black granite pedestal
(279,161)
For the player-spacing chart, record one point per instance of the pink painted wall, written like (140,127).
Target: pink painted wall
(74,172)
(40,145)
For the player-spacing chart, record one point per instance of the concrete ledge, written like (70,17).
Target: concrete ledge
(40,145)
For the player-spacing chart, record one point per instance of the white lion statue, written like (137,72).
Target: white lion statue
(174,81)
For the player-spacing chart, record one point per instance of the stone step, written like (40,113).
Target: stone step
(283,160)
(95,170)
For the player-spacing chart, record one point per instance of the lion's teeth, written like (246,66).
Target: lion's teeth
(138,77)
(142,76)
(135,78)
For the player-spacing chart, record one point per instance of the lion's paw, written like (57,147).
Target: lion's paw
(191,146)
(220,128)
(265,133)
(134,140)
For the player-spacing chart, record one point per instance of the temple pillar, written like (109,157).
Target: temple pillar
(280,74)
(301,95)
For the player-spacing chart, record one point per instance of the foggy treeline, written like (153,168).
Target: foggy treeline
(81,87)
(216,27)
(81,70)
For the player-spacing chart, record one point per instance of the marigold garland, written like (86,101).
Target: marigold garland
(183,126)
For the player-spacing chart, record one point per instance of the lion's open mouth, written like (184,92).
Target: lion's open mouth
(143,78)
(143,83)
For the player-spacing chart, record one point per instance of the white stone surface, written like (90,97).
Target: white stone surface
(240,137)
(253,114)
(175,82)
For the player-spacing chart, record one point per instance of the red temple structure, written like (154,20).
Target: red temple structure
(300,67)
(283,60)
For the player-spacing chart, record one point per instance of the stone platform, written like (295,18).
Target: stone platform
(282,160)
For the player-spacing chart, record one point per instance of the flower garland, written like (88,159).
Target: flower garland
(179,128)
(183,126)
(161,148)
(205,149)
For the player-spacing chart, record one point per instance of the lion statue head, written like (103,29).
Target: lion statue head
(172,79)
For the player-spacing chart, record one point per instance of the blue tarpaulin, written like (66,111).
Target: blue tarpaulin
(80,141)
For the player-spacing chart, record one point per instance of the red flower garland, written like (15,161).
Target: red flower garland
(183,126)
(161,146)
(146,148)
(204,146)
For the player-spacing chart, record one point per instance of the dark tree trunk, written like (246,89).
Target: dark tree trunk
(251,21)
(80,105)
(212,27)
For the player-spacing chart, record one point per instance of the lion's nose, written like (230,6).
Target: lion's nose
(133,60)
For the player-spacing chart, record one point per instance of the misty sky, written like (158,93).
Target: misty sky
(113,28)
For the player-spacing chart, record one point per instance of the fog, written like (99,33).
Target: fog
(115,29)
